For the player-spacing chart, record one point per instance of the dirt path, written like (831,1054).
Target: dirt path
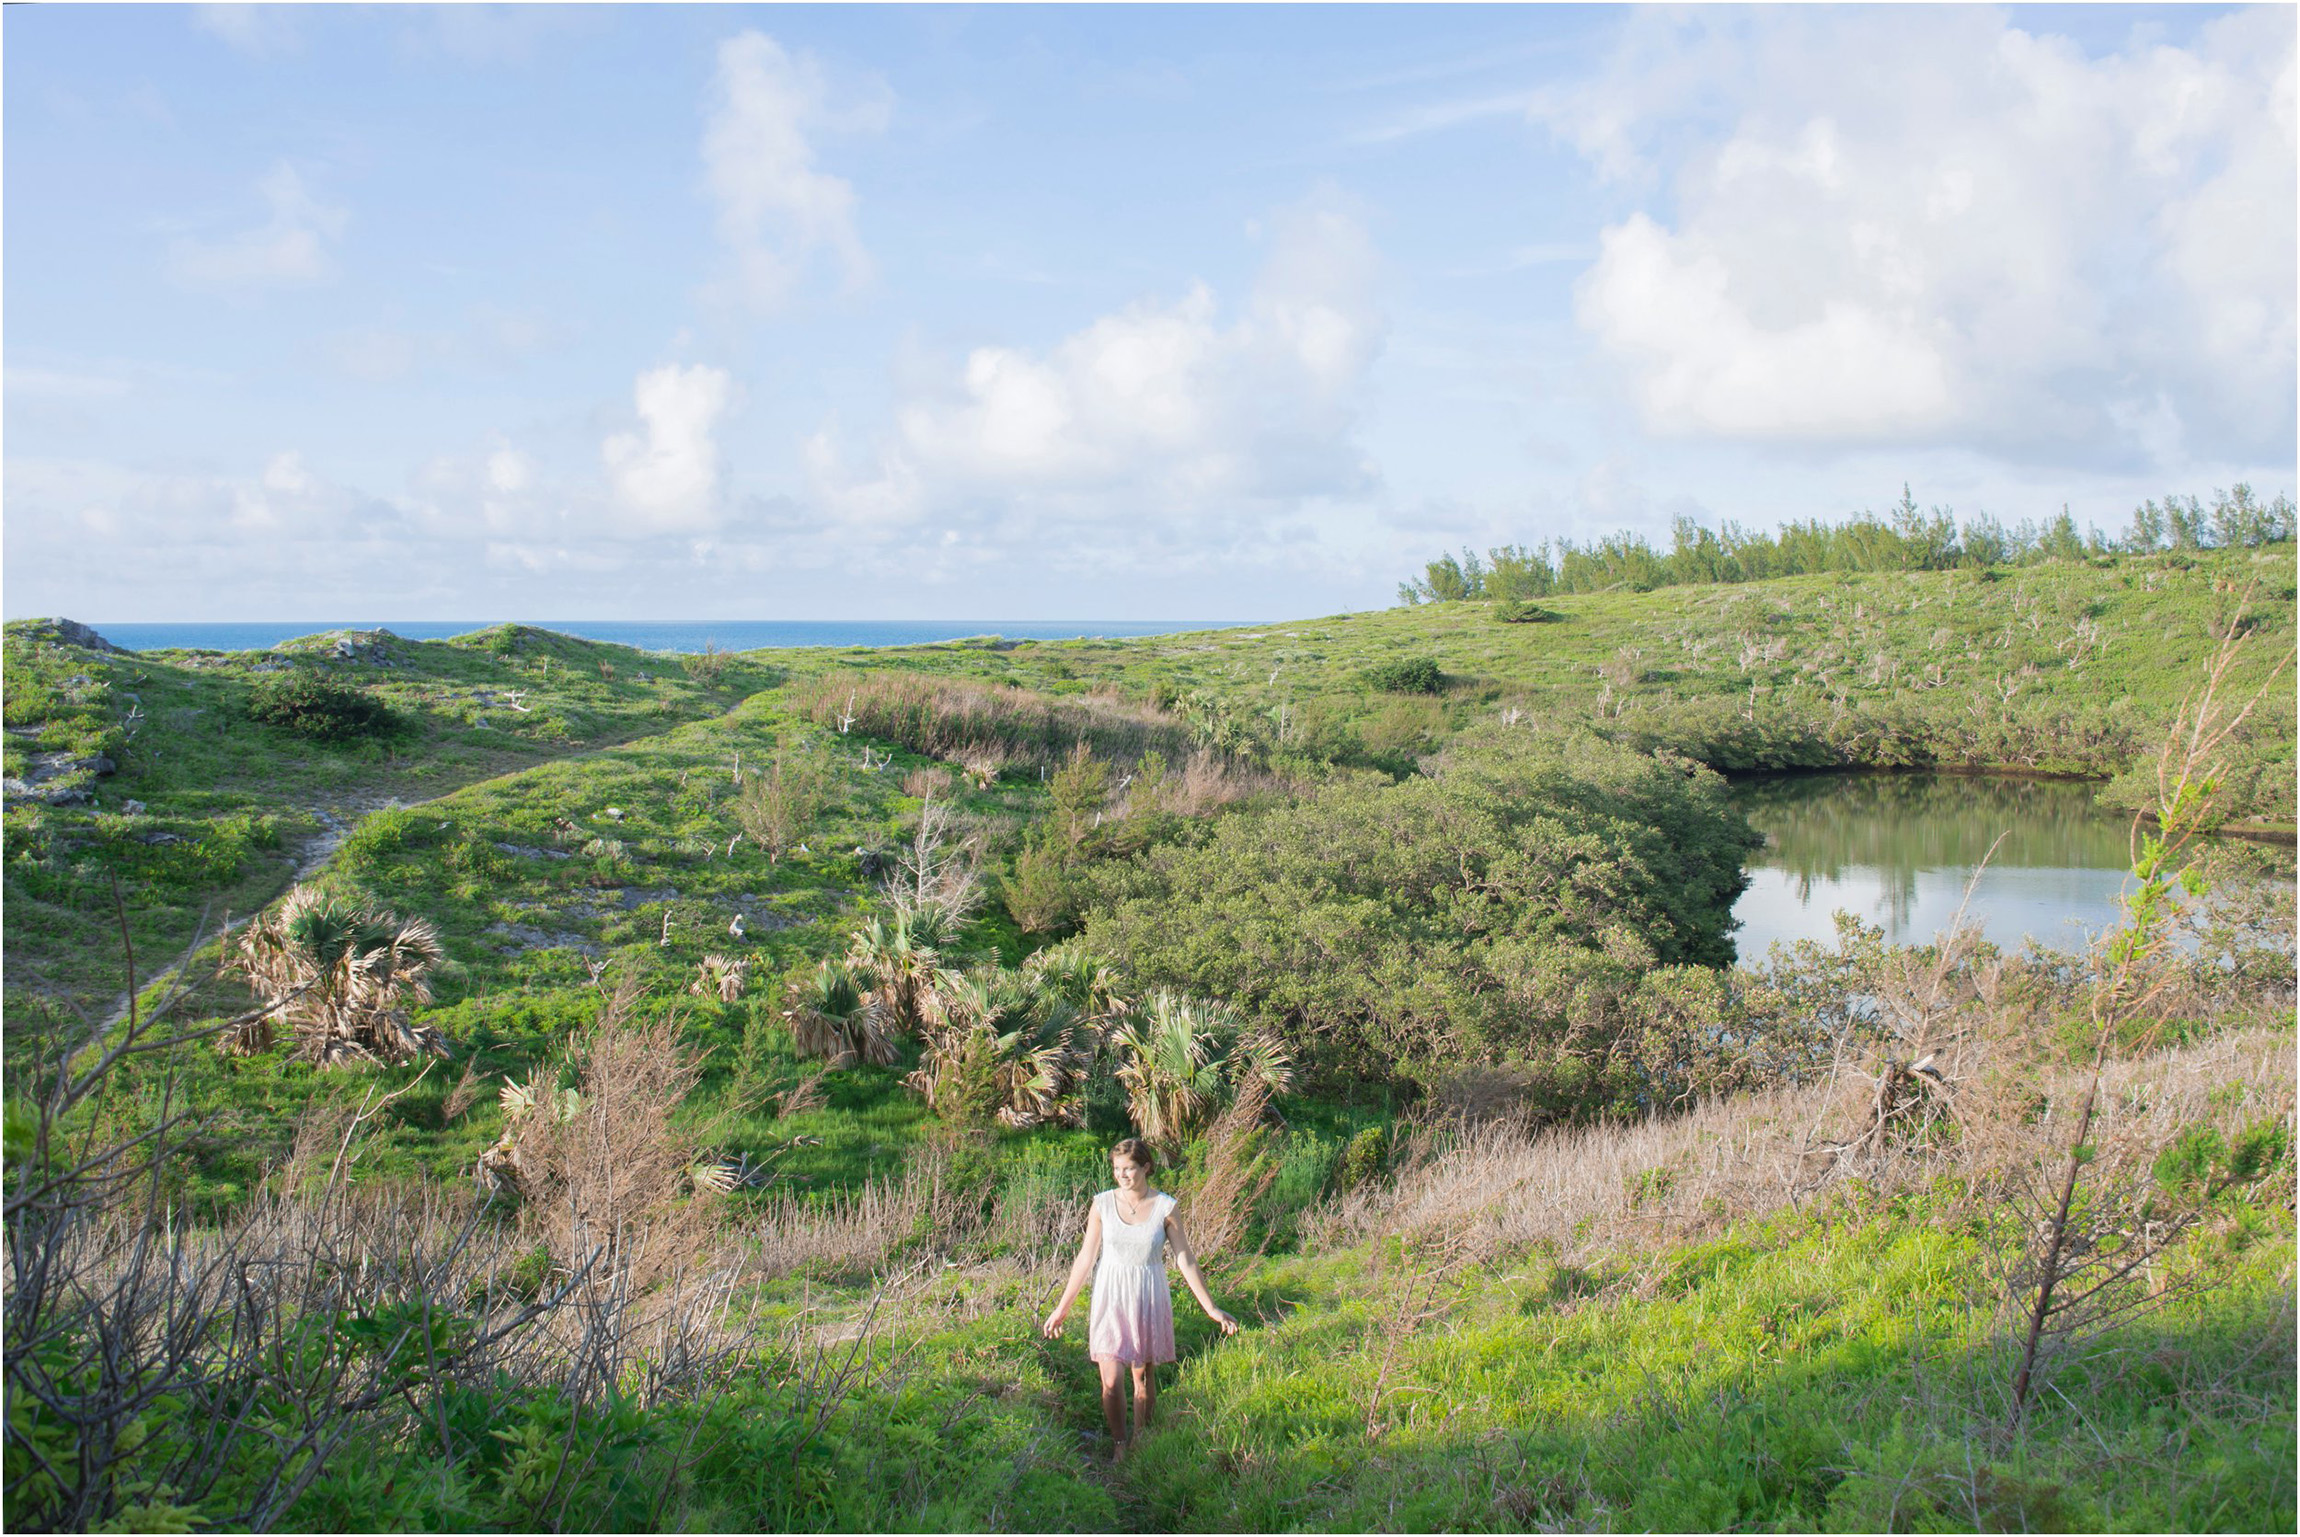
(310,854)
(336,823)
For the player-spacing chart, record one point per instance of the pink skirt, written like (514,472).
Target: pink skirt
(1132,1319)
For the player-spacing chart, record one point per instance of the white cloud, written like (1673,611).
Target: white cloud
(256,30)
(1163,404)
(152,517)
(490,337)
(668,474)
(1930,225)
(489,34)
(1703,364)
(775,209)
(290,247)
(509,471)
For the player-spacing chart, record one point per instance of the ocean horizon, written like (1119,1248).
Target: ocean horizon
(662,634)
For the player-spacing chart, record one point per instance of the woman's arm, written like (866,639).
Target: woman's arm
(1187,1263)
(1089,1248)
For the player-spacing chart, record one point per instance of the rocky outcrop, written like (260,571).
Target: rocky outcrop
(58,778)
(65,632)
(372,648)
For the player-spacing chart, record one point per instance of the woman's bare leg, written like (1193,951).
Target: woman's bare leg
(1145,1397)
(1113,1405)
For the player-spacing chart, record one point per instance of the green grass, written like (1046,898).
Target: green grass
(487,857)
(1833,670)
(1835,1370)
(242,799)
(1809,1374)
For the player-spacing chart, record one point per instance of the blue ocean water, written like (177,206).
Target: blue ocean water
(662,634)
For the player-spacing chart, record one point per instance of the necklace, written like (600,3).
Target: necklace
(1131,1221)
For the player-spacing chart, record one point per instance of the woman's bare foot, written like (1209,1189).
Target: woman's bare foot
(1118,1452)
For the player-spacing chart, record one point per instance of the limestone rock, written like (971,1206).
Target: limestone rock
(68,632)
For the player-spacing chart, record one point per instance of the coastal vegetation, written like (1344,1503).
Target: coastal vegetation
(626,1092)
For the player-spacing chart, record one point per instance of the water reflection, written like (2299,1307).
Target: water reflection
(1897,850)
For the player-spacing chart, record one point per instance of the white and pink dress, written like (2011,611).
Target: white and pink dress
(1132,1319)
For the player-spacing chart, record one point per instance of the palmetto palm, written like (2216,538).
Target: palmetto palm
(342,977)
(1169,1067)
(833,1015)
(1080,978)
(1028,1037)
(721,976)
(902,958)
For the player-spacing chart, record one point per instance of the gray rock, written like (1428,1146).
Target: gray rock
(68,632)
(532,851)
(56,765)
(45,794)
(58,778)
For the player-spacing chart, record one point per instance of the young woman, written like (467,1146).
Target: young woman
(1131,1323)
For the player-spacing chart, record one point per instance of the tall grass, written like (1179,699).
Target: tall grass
(1585,1193)
(956,720)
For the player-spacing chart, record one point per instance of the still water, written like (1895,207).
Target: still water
(1897,850)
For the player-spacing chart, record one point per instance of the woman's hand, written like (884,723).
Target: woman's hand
(1223,1321)
(1052,1328)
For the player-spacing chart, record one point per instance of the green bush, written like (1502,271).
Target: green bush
(1408,675)
(1042,895)
(1525,613)
(1364,1158)
(1549,903)
(311,706)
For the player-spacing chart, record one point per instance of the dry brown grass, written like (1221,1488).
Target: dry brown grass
(928,1214)
(1584,1193)
(1233,1176)
(957,720)
(859,1232)
(614,1177)
(926,783)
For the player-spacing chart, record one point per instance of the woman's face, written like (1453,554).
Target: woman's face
(1131,1176)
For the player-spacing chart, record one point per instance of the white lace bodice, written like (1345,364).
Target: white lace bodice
(1133,1244)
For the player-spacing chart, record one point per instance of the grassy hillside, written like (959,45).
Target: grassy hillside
(1478,1301)
(205,809)
(2068,668)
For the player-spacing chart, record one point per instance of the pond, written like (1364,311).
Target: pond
(1897,850)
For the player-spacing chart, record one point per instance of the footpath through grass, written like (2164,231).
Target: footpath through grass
(1839,1367)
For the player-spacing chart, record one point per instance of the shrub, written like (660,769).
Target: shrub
(311,706)
(1547,903)
(1407,675)
(1042,895)
(342,977)
(708,666)
(780,803)
(1525,613)
(1364,1158)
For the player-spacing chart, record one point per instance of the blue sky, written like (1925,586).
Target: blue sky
(1028,312)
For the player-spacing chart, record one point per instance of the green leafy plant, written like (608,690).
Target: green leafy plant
(833,1015)
(1516,612)
(1407,675)
(312,706)
(1008,1048)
